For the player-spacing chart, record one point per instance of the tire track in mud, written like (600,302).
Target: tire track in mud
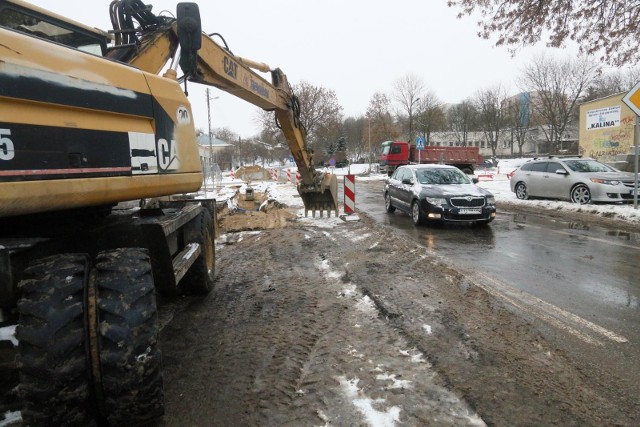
(293,340)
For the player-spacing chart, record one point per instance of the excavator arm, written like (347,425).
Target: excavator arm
(158,40)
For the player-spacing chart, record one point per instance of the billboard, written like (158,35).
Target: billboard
(603,118)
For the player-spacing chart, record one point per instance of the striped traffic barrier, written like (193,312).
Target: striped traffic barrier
(288,175)
(349,194)
(298,177)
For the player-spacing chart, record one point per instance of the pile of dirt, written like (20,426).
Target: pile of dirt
(252,173)
(257,213)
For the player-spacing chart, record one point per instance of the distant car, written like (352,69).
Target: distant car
(438,194)
(580,180)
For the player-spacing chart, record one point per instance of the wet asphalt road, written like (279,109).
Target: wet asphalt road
(579,283)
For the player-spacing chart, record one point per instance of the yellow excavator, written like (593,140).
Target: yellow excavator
(98,166)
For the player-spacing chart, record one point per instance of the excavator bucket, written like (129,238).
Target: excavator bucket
(321,197)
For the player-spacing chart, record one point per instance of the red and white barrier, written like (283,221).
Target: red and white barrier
(298,177)
(288,175)
(274,174)
(349,194)
(233,175)
(485,177)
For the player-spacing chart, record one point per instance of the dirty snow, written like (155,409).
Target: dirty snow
(494,179)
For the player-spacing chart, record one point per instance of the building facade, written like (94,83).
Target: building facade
(606,128)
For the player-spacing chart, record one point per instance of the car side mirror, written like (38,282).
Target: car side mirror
(407,181)
(475,180)
(562,172)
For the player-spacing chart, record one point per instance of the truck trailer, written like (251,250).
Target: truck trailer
(399,153)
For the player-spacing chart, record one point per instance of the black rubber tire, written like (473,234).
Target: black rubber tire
(387,203)
(130,359)
(52,357)
(581,194)
(199,280)
(416,213)
(521,191)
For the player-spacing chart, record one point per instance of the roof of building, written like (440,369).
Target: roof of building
(204,141)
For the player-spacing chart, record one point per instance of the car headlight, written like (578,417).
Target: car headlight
(491,200)
(437,201)
(605,181)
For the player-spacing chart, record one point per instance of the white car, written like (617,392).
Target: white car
(581,180)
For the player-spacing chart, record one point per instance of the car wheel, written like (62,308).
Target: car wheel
(387,203)
(416,213)
(521,191)
(581,194)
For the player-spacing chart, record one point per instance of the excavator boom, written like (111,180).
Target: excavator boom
(206,62)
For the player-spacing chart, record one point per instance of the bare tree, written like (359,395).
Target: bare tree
(380,126)
(407,92)
(608,28)
(556,86)
(489,105)
(430,115)
(462,120)
(320,115)
(612,82)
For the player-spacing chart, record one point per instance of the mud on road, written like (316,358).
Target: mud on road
(325,322)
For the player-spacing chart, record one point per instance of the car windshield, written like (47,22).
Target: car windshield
(442,176)
(588,166)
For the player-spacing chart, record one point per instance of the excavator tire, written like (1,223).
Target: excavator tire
(127,338)
(199,279)
(52,359)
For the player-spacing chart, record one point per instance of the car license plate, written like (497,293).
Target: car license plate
(468,211)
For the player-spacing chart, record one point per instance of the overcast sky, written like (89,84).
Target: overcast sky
(353,47)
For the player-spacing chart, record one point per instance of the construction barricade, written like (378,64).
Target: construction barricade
(349,194)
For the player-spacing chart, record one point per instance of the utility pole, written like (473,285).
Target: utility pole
(369,122)
(210,166)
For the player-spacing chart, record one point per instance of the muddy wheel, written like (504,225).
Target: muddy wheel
(387,203)
(416,213)
(128,372)
(54,382)
(580,194)
(199,279)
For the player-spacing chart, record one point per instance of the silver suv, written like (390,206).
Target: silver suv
(581,180)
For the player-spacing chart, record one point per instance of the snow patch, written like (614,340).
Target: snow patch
(414,358)
(368,407)
(8,333)
(348,291)
(10,418)
(395,383)
(366,305)
(427,329)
